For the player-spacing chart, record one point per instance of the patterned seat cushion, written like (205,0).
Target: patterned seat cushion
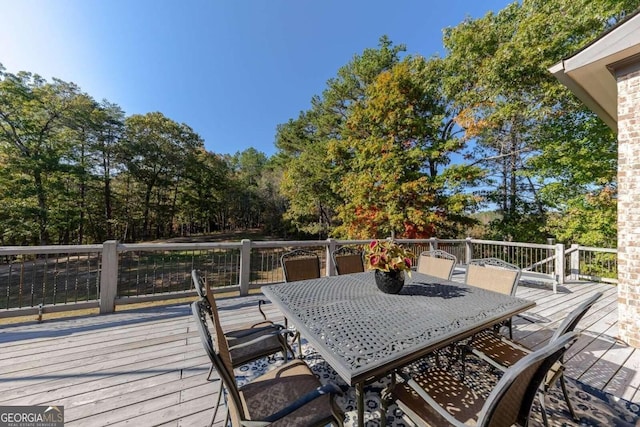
(280,387)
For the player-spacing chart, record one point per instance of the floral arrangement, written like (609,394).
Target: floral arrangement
(386,255)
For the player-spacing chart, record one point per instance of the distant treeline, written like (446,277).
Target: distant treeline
(74,171)
(396,144)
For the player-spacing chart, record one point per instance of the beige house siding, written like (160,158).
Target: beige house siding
(629,207)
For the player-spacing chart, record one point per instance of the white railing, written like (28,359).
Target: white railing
(41,279)
(589,263)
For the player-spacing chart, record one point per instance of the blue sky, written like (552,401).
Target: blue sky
(232,70)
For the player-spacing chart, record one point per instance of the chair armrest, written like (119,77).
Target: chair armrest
(297,404)
(253,330)
(255,340)
(269,323)
(260,302)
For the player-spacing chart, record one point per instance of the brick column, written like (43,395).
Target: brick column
(629,205)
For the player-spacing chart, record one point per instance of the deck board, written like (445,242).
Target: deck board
(147,367)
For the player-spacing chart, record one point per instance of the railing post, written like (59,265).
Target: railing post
(245,267)
(109,277)
(550,252)
(560,274)
(468,250)
(330,266)
(575,261)
(433,244)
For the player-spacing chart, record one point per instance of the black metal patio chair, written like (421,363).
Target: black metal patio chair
(503,353)
(300,264)
(288,395)
(438,397)
(495,275)
(247,342)
(348,260)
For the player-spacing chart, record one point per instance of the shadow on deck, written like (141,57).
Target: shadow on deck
(147,367)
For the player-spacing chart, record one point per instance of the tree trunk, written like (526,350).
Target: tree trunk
(43,232)
(145,223)
(108,209)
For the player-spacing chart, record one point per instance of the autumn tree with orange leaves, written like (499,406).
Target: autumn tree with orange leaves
(394,158)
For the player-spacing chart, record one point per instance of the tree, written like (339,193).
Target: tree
(32,115)
(156,152)
(303,143)
(205,195)
(509,101)
(108,120)
(248,167)
(393,158)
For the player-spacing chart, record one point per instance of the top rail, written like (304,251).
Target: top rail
(51,249)
(125,247)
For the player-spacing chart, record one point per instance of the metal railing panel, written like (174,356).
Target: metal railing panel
(265,258)
(150,269)
(48,275)
(598,264)
(530,257)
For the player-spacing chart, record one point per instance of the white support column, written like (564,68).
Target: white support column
(109,277)
(331,267)
(468,250)
(575,261)
(433,244)
(245,267)
(559,267)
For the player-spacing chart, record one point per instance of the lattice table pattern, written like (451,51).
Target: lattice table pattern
(358,328)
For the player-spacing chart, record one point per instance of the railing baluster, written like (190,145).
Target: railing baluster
(21,284)
(9,279)
(66,279)
(55,280)
(33,282)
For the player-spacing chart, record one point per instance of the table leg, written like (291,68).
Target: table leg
(385,399)
(360,403)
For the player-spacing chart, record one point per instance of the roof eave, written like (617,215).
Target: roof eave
(558,70)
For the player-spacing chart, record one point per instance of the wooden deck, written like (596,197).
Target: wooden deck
(146,367)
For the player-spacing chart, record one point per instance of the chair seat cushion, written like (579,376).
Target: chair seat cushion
(282,386)
(461,401)
(271,344)
(497,349)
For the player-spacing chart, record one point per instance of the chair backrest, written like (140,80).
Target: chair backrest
(202,288)
(348,260)
(511,400)
(437,263)
(571,321)
(198,283)
(219,357)
(206,296)
(300,265)
(493,274)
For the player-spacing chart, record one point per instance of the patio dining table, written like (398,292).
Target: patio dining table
(365,334)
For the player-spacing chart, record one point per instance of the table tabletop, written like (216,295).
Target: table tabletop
(364,333)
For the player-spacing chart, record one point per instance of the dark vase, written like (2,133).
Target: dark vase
(389,282)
